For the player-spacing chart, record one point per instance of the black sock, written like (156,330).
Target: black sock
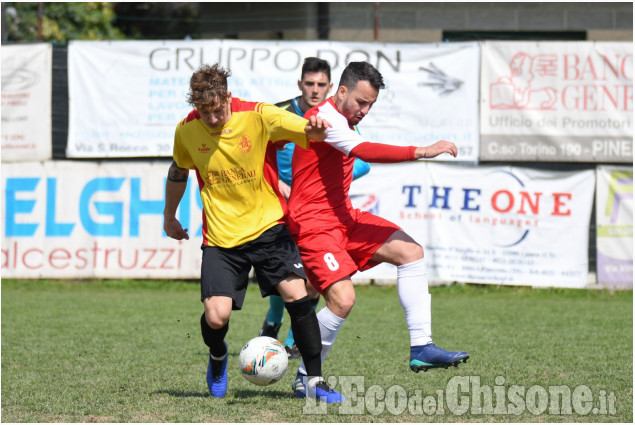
(306,332)
(214,338)
(315,301)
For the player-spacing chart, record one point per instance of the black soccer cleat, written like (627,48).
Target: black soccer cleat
(293,352)
(270,329)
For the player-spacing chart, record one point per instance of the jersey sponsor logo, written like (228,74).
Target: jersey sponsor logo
(244,145)
(232,176)
(218,133)
(204,148)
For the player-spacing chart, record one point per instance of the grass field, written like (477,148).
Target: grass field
(131,351)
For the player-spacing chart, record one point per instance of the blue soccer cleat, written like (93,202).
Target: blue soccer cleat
(321,391)
(298,385)
(217,376)
(429,356)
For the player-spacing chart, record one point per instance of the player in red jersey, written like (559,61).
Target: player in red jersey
(315,85)
(336,240)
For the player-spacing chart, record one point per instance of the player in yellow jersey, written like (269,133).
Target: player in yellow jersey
(230,143)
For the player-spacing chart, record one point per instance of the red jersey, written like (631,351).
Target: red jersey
(322,173)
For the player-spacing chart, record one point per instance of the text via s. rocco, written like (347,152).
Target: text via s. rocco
(465,395)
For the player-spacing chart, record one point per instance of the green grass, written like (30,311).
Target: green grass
(131,351)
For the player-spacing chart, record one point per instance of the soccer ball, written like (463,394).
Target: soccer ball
(263,360)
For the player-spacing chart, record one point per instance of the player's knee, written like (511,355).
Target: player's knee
(342,305)
(216,321)
(348,303)
(216,316)
(291,289)
(416,253)
(409,252)
(311,291)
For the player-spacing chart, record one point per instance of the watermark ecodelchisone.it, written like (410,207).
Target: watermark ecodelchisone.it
(465,395)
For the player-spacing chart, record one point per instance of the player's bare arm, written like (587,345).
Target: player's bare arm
(317,129)
(174,189)
(177,174)
(432,151)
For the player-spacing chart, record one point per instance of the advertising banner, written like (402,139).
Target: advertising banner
(486,224)
(26,102)
(557,101)
(63,219)
(500,225)
(126,97)
(614,224)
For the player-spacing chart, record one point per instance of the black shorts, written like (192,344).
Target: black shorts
(273,255)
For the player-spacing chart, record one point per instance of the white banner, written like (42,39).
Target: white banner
(498,225)
(504,225)
(614,224)
(26,102)
(126,97)
(63,219)
(557,101)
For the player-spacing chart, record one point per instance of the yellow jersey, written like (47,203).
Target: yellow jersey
(236,169)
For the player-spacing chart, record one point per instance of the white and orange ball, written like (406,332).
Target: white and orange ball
(263,361)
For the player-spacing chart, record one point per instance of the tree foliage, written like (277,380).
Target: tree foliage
(158,20)
(61,22)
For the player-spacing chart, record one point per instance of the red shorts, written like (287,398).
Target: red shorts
(333,250)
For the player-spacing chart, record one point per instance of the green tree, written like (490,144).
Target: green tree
(61,22)
(158,20)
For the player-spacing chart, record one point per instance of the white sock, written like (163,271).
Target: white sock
(412,286)
(312,381)
(330,325)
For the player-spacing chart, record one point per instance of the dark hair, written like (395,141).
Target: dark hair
(361,71)
(208,86)
(316,65)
